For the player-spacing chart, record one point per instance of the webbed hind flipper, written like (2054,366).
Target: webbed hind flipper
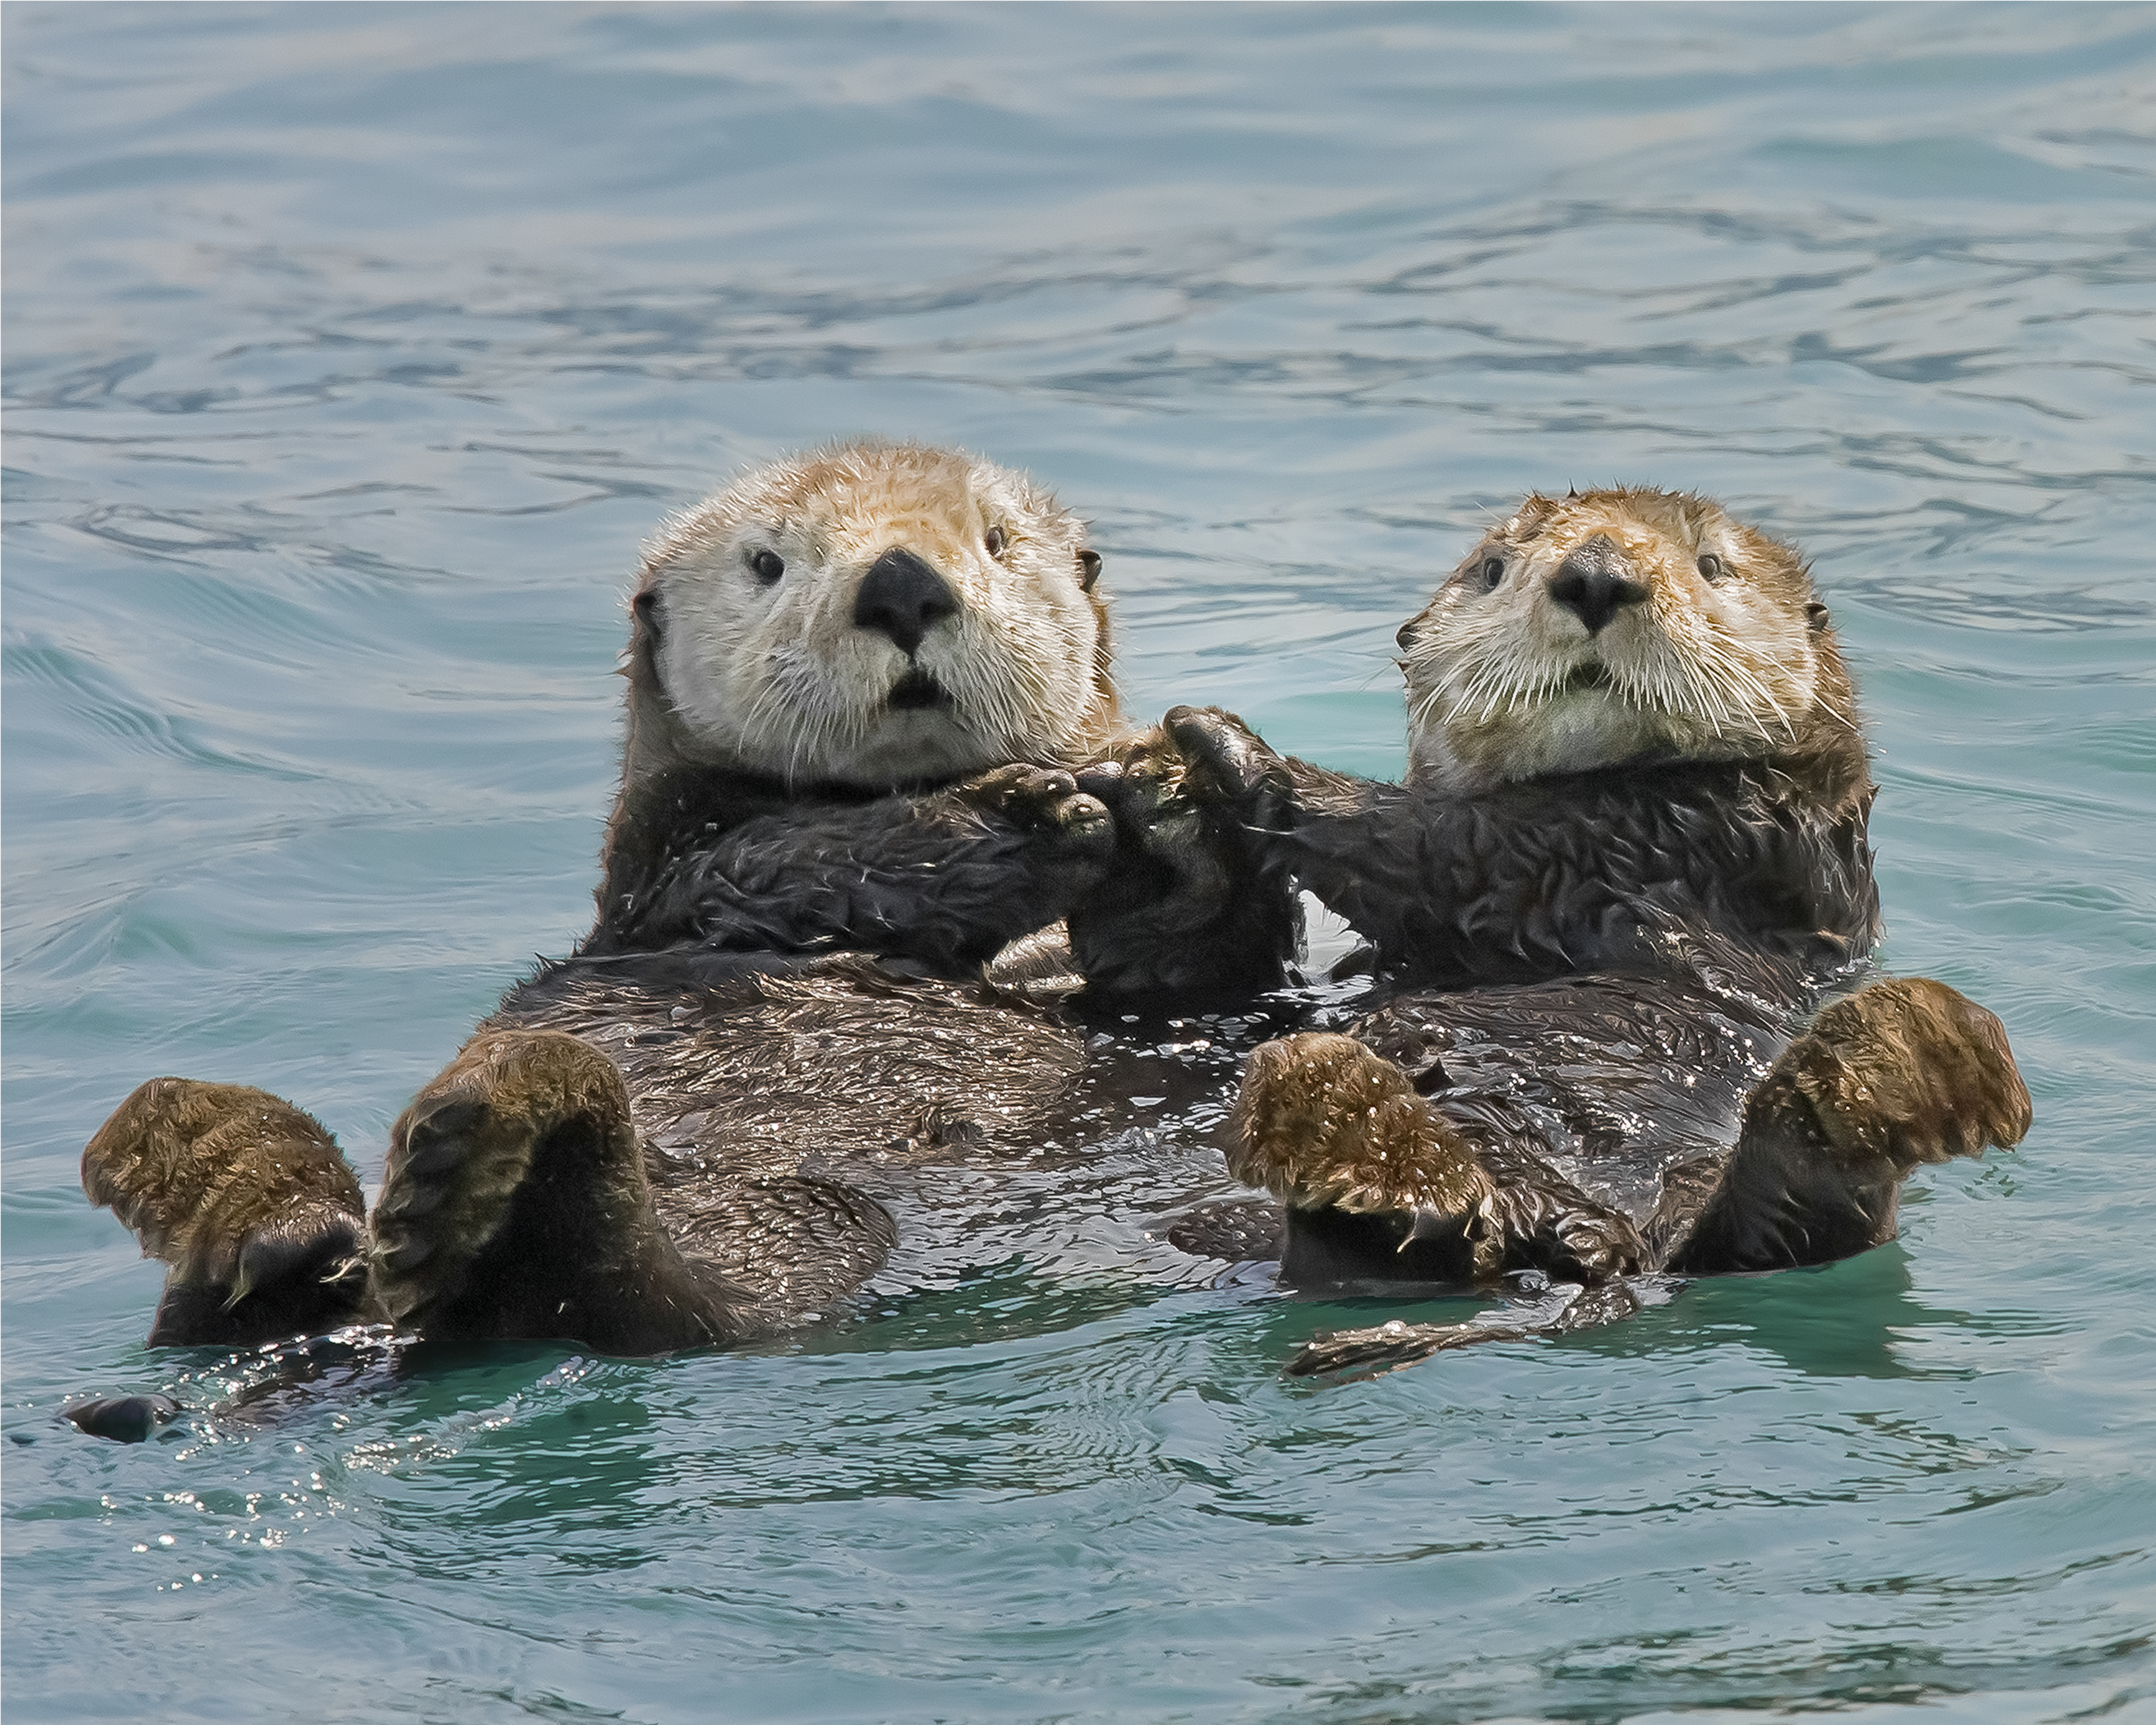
(1900,1073)
(249,1202)
(1381,1186)
(515,1205)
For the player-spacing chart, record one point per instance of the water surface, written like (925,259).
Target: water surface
(350,354)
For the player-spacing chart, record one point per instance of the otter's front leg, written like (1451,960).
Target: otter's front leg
(949,878)
(248,1201)
(1194,904)
(1380,1186)
(515,1205)
(1358,845)
(1900,1073)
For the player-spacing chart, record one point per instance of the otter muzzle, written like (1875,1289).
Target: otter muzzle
(903,597)
(1593,584)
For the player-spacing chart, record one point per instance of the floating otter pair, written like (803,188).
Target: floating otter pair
(857,684)
(1628,864)
(1632,855)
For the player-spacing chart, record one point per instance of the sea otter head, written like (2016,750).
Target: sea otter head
(1594,630)
(870,613)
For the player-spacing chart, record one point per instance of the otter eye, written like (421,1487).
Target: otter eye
(993,539)
(766,566)
(1711,567)
(1492,571)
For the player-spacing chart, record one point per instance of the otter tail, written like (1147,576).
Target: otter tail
(1548,1313)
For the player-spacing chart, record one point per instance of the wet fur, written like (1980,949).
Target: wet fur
(1604,910)
(673,1137)
(245,1199)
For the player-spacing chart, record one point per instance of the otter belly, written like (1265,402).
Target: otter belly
(963,1124)
(1610,1081)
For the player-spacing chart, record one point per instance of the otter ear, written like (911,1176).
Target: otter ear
(1089,569)
(1816,615)
(645,605)
(1571,492)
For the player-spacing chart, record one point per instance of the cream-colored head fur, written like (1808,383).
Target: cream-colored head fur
(1717,650)
(745,622)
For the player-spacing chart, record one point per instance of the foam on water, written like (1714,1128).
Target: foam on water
(351,350)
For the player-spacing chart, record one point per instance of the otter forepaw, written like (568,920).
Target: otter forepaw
(1905,1071)
(1323,1123)
(516,1109)
(1225,762)
(1045,801)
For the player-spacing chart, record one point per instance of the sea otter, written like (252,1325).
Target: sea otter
(858,685)
(1628,866)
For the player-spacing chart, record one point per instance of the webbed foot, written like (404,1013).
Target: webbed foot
(1900,1073)
(516,1204)
(249,1202)
(1378,1186)
(1907,1071)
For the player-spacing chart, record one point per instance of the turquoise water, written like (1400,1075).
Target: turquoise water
(350,352)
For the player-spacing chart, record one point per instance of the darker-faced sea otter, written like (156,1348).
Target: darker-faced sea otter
(871,742)
(1620,913)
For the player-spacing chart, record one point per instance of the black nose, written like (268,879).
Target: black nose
(904,598)
(1406,636)
(1592,584)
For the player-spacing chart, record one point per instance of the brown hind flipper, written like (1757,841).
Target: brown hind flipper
(1381,1186)
(1900,1073)
(247,1200)
(515,1205)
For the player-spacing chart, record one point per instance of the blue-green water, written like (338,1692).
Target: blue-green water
(350,352)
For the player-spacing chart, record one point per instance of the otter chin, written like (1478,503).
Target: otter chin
(1587,631)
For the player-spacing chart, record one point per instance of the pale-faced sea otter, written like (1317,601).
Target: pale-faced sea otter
(1629,865)
(859,684)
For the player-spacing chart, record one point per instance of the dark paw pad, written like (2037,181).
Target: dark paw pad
(461,1153)
(1046,801)
(1224,761)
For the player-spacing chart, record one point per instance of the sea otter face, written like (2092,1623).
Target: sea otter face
(879,614)
(1590,630)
